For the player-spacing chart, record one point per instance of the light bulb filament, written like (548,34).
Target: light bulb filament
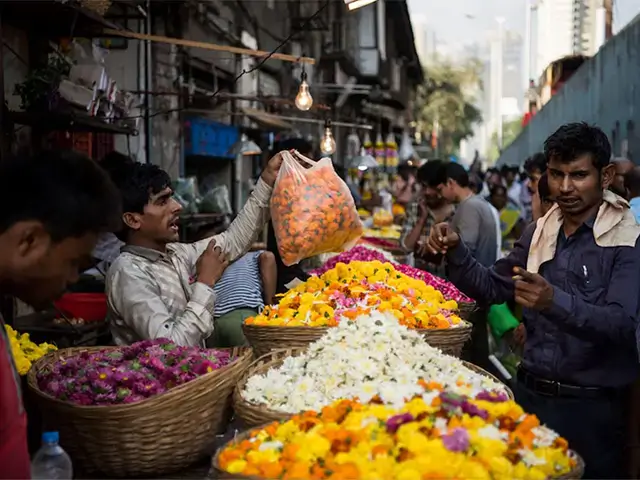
(304,100)
(328,143)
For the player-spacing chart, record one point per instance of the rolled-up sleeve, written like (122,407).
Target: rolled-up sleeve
(616,320)
(245,228)
(135,298)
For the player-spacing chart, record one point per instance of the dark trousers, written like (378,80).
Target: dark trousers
(594,427)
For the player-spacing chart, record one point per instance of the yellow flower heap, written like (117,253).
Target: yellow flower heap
(25,352)
(436,436)
(355,289)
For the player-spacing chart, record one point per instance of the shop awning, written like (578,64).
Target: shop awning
(268,120)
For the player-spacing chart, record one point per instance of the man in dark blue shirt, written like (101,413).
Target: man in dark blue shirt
(579,308)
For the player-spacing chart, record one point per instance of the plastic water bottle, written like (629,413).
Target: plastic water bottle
(51,462)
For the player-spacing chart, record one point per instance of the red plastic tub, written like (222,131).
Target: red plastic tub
(91,307)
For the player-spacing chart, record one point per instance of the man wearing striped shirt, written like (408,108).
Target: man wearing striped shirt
(247,285)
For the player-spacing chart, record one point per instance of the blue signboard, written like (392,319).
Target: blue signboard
(207,138)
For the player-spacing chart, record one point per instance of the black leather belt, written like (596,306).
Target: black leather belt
(551,388)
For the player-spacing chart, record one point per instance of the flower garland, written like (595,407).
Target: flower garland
(438,435)
(129,374)
(373,357)
(352,290)
(24,351)
(358,253)
(448,289)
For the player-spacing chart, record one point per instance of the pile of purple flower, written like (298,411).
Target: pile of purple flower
(129,374)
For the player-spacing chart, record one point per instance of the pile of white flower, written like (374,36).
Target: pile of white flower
(371,356)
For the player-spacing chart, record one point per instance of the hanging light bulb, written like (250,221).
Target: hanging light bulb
(304,100)
(328,143)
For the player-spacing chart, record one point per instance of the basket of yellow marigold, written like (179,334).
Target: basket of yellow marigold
(434,436)
(345,292)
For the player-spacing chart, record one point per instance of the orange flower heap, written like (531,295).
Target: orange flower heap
(313,212)
(348,291)
(438,435)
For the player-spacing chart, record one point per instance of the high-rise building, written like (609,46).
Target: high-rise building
(499,100)
(559,28)
(591,25)
(512,50)
(425,38)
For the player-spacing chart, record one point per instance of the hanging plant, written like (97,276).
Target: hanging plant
(39,91)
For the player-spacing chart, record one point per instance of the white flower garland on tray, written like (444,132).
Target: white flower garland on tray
(371,356)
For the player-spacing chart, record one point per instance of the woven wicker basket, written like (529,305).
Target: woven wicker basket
(98,6)
(449,340)
(253,414)
(220,474)
(156,436)
(266,338)
(466,309)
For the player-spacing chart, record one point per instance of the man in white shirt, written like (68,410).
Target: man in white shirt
(159,287)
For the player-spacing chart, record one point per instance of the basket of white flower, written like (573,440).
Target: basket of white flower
(252,413)
(267,338)
(371,358)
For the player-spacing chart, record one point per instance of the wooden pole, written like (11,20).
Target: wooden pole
(209,46)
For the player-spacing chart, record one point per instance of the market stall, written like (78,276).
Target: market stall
(357,367)
(154,408)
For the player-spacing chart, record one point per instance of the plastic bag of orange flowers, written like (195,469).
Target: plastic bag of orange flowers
(312,209)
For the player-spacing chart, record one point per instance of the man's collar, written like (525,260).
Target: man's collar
(590,222)
(148,253)
(468,194)
(587,224)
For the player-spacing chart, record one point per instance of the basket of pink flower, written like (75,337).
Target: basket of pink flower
(147,409)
